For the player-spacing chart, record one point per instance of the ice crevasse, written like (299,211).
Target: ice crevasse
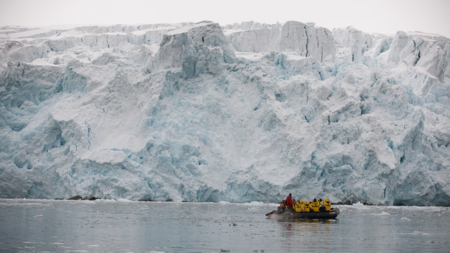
(239,113)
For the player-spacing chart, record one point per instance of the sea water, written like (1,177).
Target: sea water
(123,226)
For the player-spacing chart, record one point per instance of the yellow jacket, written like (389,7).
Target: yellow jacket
(305,206)
(314,206)
(297,207)
(327,205)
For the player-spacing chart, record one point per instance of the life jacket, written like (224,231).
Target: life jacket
(306,207)
(314,206)
(327,205)
(297,207)
(302,205)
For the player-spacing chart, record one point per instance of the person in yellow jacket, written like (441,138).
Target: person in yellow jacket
(299,203)
(297,207)
(314,206)
(321,206)
(305,206)
(327,205)
(309,204)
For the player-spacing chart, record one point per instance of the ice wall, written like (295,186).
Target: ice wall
(195,50)
(304,39)
(248,112)
(357,41)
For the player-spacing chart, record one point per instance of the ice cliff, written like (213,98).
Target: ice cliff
(245,112)
(304,39)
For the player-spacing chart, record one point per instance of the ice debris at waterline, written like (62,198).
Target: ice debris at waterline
(245,112)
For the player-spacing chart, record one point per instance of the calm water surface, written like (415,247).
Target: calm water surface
(115,226)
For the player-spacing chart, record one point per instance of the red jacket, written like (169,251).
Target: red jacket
(289,202)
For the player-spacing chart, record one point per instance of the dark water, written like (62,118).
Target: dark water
(114,226)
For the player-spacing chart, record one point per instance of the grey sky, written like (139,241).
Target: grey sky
(380,16)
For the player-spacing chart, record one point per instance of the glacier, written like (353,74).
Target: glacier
(237,113)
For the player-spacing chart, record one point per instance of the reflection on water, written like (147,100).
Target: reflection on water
(310,234)
(83,226)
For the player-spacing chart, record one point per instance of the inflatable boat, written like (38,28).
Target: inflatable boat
(290,214)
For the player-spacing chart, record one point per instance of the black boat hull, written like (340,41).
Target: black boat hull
(292,215)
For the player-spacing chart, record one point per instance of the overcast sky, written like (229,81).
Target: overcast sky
(376,16)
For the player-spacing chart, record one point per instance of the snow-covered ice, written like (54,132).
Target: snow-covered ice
(245,112)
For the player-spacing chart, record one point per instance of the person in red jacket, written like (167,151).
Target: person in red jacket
(289,201)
